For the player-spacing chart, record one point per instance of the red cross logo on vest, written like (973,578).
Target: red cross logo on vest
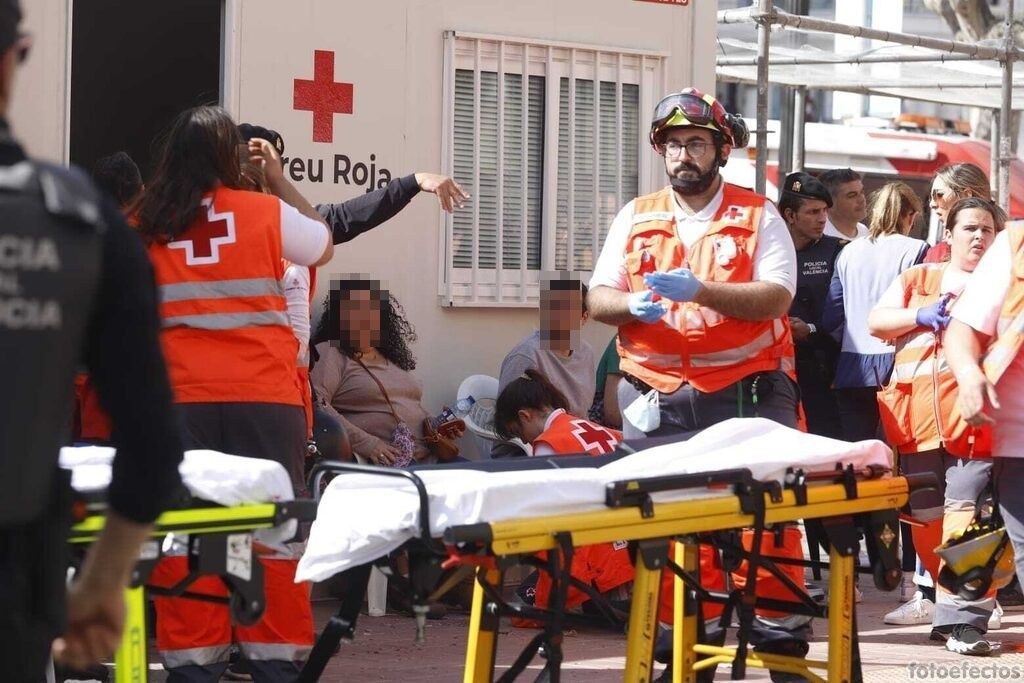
(323,96)
(202,246)
(593,438)
(735,214)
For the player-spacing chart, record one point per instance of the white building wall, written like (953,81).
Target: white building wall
(391,51)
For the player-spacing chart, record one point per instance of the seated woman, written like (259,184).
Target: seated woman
(532,409)
(363,377)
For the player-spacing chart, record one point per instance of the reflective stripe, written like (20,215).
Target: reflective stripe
(911,370)
(648,216)
(220,289)
(919,340)
(1014,324)
(278,652)
(639,355)
(201,656)
(736,355)
(227,321)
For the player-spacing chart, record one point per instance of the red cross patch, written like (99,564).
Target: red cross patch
(735,214)
(594,438)
(323,96)
(202,246)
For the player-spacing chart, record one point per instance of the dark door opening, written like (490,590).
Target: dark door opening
(134,67)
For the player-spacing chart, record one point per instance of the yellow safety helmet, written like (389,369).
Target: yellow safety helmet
(977,560)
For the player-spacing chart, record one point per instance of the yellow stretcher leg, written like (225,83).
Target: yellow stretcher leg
(643,615)
(840,617)
(684,631)
(483,633)
(130,660)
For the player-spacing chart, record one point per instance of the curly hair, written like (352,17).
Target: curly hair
(396,333)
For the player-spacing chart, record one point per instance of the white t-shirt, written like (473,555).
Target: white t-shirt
(296,293)
(303,239)
(831,231)
(774,255)
(979,307)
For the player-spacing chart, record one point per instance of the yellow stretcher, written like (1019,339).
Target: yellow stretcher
(220,544)
(846,502)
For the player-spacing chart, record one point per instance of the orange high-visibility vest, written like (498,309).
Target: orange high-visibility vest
(568,434)
(93,422)
(1010,329)
(225,330)
(918,406)
(692,343)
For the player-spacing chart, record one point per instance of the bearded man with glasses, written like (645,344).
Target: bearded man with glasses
(699,277)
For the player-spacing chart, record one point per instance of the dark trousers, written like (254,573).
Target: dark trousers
(33,564)
(268,431)
(858,410)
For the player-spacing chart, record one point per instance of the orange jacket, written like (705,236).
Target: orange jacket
(693,343)
(918,406)
(226,335)
(568,434)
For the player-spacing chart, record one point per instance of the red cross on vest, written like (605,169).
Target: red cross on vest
(592,436)
(323,96)
(202,246)
(735,213)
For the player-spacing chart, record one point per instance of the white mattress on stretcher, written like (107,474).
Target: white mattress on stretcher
(211,475)
(362,517)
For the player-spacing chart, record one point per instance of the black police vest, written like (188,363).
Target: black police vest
(815,265)
(50,262)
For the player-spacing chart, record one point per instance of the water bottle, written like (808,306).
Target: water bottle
(464,405)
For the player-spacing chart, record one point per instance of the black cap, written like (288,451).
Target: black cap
(249,131)
(10,17)
(806,186)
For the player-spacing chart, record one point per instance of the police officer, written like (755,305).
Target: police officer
(804,204)
(75,284)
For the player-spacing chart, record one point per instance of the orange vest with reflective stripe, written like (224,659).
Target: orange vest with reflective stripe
(568,434)
(692,343)
(1010,329)
(225,330)
(918,406)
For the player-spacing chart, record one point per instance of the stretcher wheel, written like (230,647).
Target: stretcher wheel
(886,579)
(245,611)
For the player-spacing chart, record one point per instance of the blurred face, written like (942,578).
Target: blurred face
(808,223)
(970,237)
(941,199)
(359,316)
(849,203)
(561,315)
(691,160)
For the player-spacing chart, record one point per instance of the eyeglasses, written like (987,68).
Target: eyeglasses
(23,45)
(695,149)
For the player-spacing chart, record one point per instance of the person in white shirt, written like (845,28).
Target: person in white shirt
(849,204)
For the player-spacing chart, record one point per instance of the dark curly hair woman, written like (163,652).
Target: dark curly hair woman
(363,375)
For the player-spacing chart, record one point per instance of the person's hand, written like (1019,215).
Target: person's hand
(449,193)
(800,329)
(94,626)
(385,455)
(265,155)
(645,310)
(934,316)
(676,285)
(971,396)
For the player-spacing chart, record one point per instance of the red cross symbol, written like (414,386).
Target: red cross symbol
(735,213)
(202,246)
(595,440)
(323,96)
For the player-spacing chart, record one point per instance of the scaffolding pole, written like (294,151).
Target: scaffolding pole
(1005,134)
(799,121)
(864,59)
(765,10)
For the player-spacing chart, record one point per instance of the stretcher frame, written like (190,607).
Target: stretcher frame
(844,501)
(225,532)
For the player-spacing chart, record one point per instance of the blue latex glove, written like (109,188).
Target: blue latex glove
(934,316)
(645,310)
(676,285)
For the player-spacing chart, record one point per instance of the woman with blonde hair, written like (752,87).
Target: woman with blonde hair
(863,271)
(952,183)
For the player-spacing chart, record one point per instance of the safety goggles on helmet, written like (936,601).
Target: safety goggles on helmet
(691,108)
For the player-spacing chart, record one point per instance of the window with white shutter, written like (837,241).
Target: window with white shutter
(548,139)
